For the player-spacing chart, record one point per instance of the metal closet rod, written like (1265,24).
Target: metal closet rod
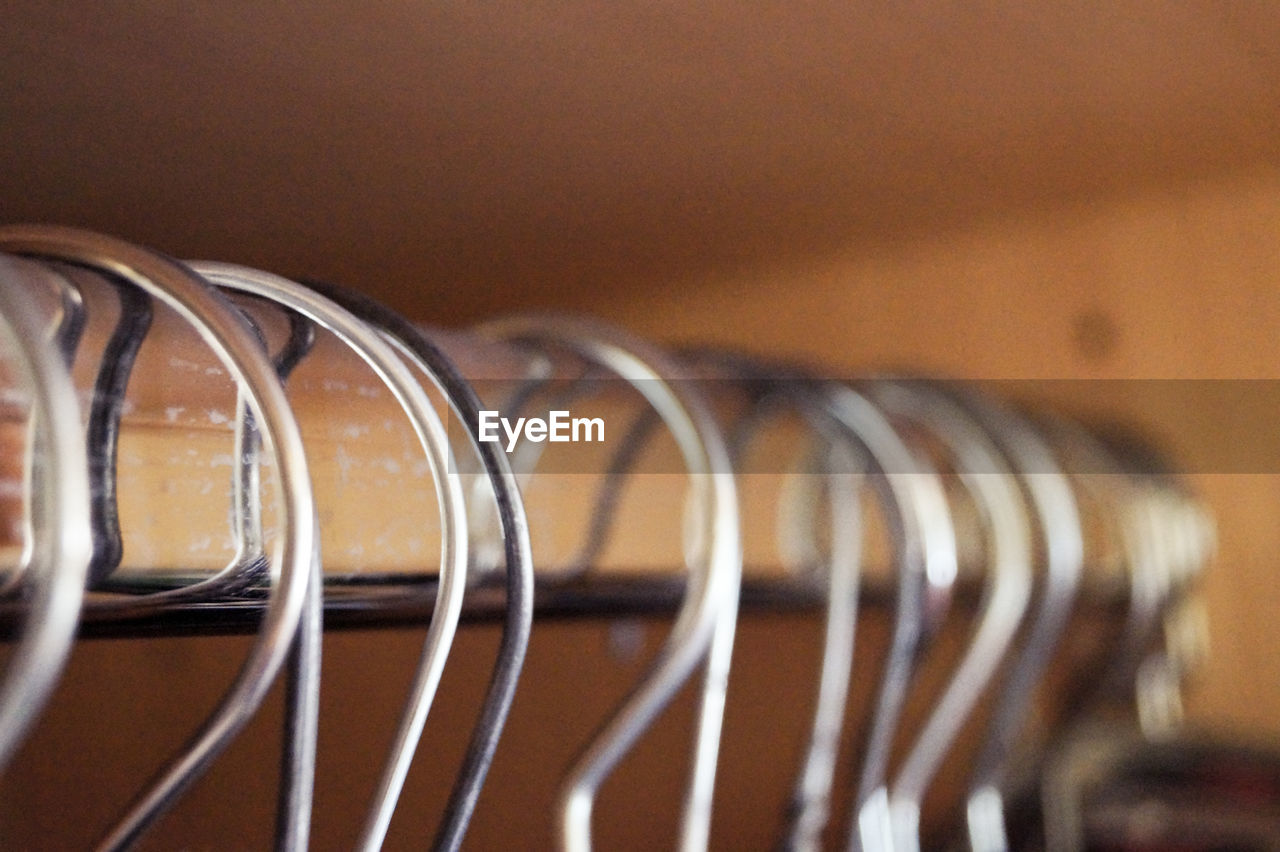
(175,474)
(635,597)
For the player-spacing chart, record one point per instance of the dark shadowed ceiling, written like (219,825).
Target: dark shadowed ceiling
(454,157)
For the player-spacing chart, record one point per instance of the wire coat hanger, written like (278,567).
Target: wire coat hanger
(704,625)
(772,389)
(1097,471)
(61,531)
(224,330)
(843,467)
(517,552)
(383,359)
(107,402)
(302,675)
(64,332)
(925,560)
(1049,496)
(985,475)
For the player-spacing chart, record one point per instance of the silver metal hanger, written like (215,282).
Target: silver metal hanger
(1188,539)
(57,561)
(224,331)
(106,404)
(704,626)
(924,551)
(924,547)
(986,476)
(516,549)
(63,331)
(810,806)
(840,471)
(1048,494)
(383,360)
(1173,543)
(913,500)
(302,674)
(771,390)
(1134,533)
(249,566)
(1145,534)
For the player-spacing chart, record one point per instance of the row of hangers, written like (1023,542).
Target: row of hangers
(1039,492)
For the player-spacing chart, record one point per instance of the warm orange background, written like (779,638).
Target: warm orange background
(1003,191)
